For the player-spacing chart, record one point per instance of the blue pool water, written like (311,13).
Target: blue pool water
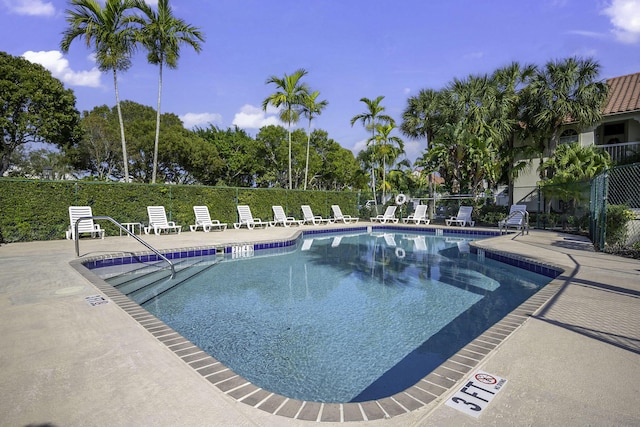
(344,317)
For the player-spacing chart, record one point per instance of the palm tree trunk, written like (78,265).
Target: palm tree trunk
(384,177)
(373,178)
(124,142)
(155,146)
(290,156)
(306,168)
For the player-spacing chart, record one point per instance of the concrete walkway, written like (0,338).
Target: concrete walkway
(63,362)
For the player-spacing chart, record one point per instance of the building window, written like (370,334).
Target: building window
(568,136)
(614,133)
(614,129)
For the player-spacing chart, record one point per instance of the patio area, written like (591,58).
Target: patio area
(574,361)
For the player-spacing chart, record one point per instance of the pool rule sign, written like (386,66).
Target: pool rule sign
(476,393)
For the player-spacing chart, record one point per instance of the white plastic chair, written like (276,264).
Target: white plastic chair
(339,217)
(158,221)
(245,219)
(203,219)
(85,226)
(518,219)
(388,216)
(420,215)
(309,217)
(463,218)
(280,218)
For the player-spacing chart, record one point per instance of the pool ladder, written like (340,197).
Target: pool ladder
(147,245)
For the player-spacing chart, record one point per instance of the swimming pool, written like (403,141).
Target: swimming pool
(395,305)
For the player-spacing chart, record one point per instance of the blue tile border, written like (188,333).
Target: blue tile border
(520,262)
(507,258)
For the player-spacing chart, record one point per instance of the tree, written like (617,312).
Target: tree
(388,147)
(272,153)
(41,163)
(110,32)
(98,151)
(332,166)
(34,107)
(564,91)
(421,119)
(571,168)
(238,153)
(162,34)
(311,109)
(290,95)
(370,119)
(184,156)
(512,83)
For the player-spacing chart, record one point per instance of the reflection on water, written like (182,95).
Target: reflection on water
(345,317)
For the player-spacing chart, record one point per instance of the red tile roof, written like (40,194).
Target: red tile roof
(624,94)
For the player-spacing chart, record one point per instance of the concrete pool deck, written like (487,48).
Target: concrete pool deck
(575,361)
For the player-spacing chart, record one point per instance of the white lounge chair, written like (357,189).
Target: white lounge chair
(245,219)
(463,218)
(203,219)
(280,218)
(420,215)
(388,216)
(309,217)
(518,218)
(85,226)
(339,217)
(158,221)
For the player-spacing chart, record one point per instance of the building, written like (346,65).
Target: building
(618,133)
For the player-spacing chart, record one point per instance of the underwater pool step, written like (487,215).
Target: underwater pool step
(133,272)
(151,273)
(146,294)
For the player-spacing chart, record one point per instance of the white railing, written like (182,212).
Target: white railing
(620,152)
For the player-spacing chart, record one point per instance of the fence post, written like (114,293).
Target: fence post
(605,203)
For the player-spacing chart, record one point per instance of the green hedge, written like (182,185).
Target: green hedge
(38,210)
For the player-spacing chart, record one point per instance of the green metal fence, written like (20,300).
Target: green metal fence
(615,209)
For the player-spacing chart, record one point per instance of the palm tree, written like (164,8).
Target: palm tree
(290,95)
(389,147)
(511,83)
(162,34)
(565,91)
(573,166)
(422,118)
(370,119)
(110,32)
(311,109)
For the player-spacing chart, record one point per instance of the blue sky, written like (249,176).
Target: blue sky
(351,49)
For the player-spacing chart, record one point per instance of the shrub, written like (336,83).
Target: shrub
(618,216)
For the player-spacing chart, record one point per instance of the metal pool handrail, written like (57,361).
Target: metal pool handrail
(151,248)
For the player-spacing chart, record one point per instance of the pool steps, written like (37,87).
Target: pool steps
(144,284)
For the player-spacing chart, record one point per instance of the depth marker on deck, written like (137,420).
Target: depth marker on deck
(476,393)
(96,300)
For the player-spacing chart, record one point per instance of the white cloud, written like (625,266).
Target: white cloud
(406,90)
(30,7)
(625,18)
(589,34)
(414,149)
(53,61)
(359,146)
(251,117)
(191,120)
